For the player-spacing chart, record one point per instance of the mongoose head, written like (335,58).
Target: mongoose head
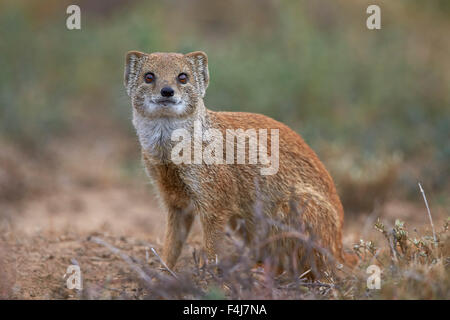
(166,85)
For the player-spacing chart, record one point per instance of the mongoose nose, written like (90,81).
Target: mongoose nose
(167,92)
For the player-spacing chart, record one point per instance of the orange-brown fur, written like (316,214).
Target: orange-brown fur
(301,195)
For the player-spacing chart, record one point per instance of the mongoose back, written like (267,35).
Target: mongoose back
(296,196)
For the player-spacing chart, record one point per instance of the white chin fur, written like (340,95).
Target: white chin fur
(155,133)
(164,110)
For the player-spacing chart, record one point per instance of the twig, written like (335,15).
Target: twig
(164,264)
(429,213)
(375,256)
(304,273)
(125,257)
(308,284)
(392,244)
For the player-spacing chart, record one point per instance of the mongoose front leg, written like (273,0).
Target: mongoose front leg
(213,234)
(179,223)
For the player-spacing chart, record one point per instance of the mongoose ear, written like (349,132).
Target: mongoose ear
(133,64)
(199,62)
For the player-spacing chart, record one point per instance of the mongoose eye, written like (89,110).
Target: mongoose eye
(149,77)
(182,77)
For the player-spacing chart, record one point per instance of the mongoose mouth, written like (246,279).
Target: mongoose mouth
(166,102)
(163,106)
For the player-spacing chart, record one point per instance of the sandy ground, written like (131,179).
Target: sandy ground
(51,233)
(39,241)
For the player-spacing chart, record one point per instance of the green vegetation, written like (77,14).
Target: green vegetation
(370,94)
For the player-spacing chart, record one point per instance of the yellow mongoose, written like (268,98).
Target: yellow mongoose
(167,91)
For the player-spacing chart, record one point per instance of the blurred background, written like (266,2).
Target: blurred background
(375,105)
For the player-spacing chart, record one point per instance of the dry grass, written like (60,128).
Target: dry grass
(413,267)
